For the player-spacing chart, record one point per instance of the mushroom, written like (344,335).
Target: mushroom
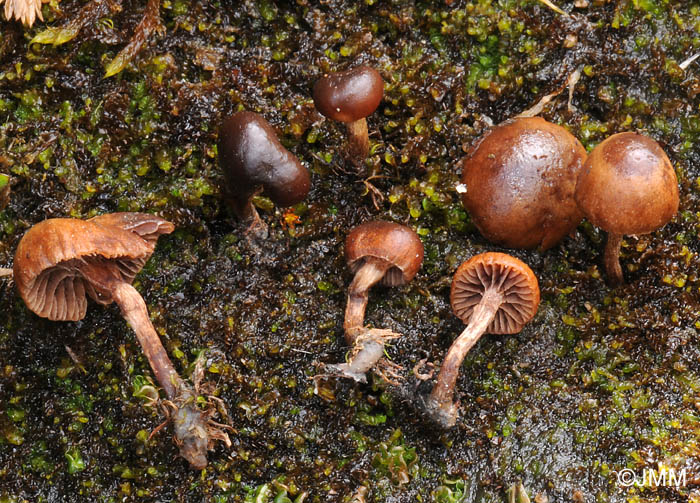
(520,178)
(350,97)
(253,161)
(376,252)
(492,293)
(59,261)
(627,186)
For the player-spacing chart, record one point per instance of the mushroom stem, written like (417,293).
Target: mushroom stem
(369,274)
(5,272)
(190,424)
(440,402)
(367,344)
(135,312)
(249,217)
(358,141)
(611,258)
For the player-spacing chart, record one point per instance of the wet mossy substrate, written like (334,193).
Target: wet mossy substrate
(602,379)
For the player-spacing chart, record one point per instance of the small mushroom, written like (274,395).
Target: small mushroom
(376,252)
(520,178)
(59,261)
(254,161)
(492,293)
(350,97)
(627,186)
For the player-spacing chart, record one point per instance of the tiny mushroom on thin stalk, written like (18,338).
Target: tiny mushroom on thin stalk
(376,252)
(627,186)
(59,261)
(492,293)
(518,183)
(350,97)
(254,161)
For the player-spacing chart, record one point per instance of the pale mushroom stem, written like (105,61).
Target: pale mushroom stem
(5,272)
(358,141)
(367,344)
(368,275)
(440,402)
(611,258)
(191,434)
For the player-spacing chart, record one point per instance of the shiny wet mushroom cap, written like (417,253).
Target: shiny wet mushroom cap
(520,178)
(395,245)
(627,186)
(253,160)
(491,293)
(350,97)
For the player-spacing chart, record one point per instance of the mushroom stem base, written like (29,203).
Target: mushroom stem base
(255,228)
(439,404)
(611,258)
(367,351)
(358,141)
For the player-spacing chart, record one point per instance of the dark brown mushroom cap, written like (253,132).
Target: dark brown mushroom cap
(520,179)
(510,275)
(53,256)
(628,185)
(251,157)
(350,95)
(393,244)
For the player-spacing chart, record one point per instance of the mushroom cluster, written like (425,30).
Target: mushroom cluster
(528,183)
(61,261)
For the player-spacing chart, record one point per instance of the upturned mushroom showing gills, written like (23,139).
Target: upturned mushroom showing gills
(254,161)
(350,97)
(492,293)
(60,261)
(520,178)
(376,252)
(627,186)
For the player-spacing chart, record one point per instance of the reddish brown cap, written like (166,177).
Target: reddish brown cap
(391,243)
(349,96)
(251,157)
(628,185)
(520,179)
(52,257)
(511,276)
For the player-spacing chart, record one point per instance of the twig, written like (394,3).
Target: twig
(554,8)
(685,64)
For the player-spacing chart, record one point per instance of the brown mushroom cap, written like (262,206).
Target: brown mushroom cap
(520,179)
(628,185)
(395,244)
(50,258)
(350,95)
(512,276)
(251,157)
